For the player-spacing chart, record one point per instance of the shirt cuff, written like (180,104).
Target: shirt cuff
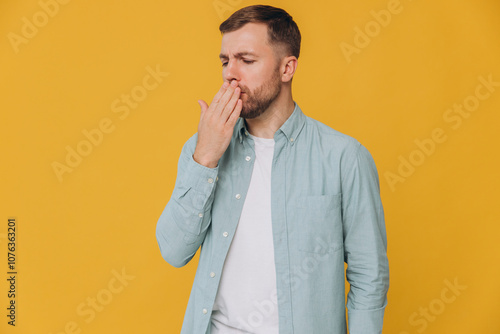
(366,321)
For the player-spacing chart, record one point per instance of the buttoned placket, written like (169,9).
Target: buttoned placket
(225,234)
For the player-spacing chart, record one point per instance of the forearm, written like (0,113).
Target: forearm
(183,224)
(177,244)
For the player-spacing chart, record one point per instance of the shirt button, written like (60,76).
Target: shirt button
(248,158)
(205,311)
(217,178)
(291,139)
(246,133)
(210,180)
(212,274)
(225,234)
(200,214)
(238,196)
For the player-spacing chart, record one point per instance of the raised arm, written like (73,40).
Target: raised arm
(183,224)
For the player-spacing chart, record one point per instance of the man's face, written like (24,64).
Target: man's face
(247,58)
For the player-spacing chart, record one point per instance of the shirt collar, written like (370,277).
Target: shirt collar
(291,128)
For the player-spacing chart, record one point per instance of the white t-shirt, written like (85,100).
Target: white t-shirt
(246,297)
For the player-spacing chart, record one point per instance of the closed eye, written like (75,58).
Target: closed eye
(244,60)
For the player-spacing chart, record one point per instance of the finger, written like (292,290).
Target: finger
(231,103)
(221,91)
(233,117)
(203,106)
(225,98)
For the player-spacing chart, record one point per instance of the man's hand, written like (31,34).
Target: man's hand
(216,124)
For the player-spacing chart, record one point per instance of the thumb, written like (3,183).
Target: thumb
(203,105)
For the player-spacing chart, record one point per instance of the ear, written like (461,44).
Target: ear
(288,67)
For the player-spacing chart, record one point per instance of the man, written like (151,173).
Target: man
(276,200)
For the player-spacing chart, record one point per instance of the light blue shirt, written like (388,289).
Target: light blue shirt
(326,210)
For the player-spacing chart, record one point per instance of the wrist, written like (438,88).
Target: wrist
(205,162)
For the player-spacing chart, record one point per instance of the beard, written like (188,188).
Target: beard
(260,99)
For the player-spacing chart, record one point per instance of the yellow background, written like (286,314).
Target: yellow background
(442,221)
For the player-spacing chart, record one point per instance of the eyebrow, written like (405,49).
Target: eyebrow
(238,55)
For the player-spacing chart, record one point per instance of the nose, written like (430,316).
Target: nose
(231,72)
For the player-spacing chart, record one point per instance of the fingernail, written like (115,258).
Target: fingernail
(234,83)
(225,85)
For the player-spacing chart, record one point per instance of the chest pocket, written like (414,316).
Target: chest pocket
(317,223)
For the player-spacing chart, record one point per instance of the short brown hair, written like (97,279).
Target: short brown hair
(281,27)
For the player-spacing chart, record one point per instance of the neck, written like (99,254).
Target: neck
(272,119)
